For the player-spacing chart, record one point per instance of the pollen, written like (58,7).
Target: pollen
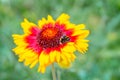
(49,32)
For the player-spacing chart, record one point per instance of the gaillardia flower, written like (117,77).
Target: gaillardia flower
(51,41)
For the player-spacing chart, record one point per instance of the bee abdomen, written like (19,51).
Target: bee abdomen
(64,39)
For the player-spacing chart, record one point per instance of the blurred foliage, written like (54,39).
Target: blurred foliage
(102,18)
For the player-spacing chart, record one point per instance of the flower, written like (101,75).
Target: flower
(50,42)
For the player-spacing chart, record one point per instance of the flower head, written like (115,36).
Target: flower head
(50,41)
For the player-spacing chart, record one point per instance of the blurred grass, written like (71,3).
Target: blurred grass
(102,18)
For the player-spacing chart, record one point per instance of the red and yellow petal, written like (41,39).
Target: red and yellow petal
(50,19)
(66,59)
(69,47)
(26,25)
(44,21)
(82,45)
(41,23)
(44,60)
(19,39)
(63,18)
(53,56)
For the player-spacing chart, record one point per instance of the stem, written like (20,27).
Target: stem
(53,72)
(58,74)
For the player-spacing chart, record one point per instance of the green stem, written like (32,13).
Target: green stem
(58,74)
(53,72)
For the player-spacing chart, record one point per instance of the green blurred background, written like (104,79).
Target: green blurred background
(102,18)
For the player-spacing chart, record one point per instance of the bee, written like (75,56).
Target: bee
(64,39)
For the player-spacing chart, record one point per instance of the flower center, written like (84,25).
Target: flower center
(49,37)
(49,32)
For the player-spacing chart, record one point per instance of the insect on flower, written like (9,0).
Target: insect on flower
(64,39)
